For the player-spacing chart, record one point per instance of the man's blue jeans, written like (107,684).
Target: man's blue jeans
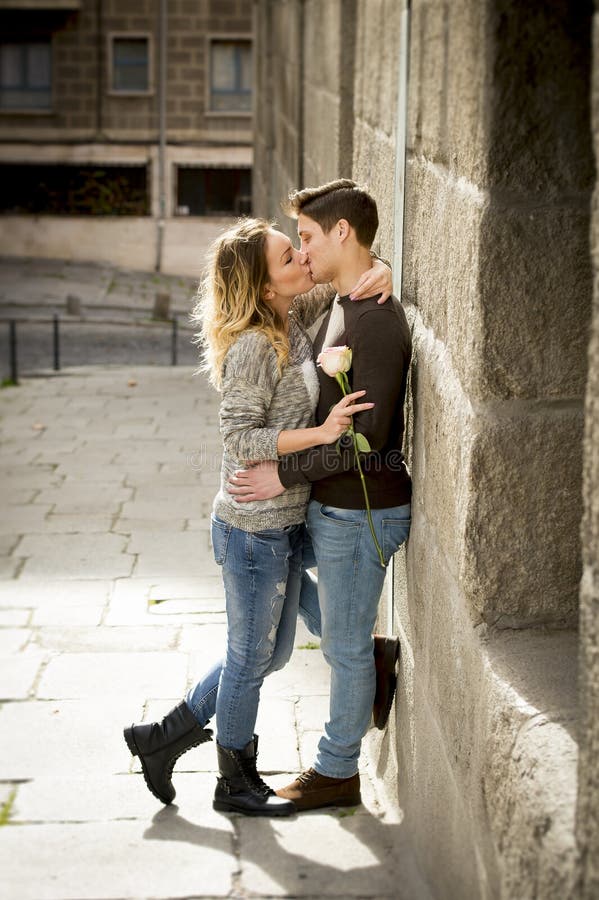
(350,581)
(262,574)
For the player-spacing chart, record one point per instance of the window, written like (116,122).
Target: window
(130,64)
(230,75)
(59,189)
(25,76)
(213,191)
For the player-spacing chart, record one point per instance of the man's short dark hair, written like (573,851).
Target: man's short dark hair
(341,199)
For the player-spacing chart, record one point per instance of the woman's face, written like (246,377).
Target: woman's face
(288,272)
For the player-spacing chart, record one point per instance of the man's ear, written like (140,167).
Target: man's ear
(342,229)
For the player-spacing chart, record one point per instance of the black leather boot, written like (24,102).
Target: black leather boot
(160,744)
(240,788)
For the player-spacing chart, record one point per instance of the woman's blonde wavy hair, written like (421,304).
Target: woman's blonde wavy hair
(230,299)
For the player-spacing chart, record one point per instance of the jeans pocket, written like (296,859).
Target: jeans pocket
(221,532)
(341,516)
(395,533)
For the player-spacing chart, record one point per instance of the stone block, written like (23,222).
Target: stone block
(373,854)
(18,674)
(307,669)
(58,727)
(521,561)
(529,773)
(27,476)
(535,279)
(322,44)
(497,709)
(312,712)
(91,498)
(439,48)
(72,860)
(75,556)
(60,798)
(278,739)
(539,139)
(441,450)
(13,639)
(107,639)
(489,301)
(374,166)
(133,605)
(14,618)
(201,639)
(154,513)
(323,153)
(9,566)
(50,593)
(308,747)
(68,616)
(442,282)
(586,813)
(377,35)
(74,524)
(177,562)
(151,673)
(499,529)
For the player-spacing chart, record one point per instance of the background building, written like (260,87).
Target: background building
(136,114)
(490,229)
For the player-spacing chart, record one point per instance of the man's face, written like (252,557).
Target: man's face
(320,248)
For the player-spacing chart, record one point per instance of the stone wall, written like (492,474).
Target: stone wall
(496,237)
(497,284)
(278,139)
(588,771)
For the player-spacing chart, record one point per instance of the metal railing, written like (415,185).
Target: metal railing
(13,354)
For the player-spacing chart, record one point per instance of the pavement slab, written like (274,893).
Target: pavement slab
(111,606)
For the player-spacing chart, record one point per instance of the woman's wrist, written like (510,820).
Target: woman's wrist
(319,436)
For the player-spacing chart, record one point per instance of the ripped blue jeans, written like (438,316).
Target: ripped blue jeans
(262,573)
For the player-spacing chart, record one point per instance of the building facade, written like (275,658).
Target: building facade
(132,113)
(470,122)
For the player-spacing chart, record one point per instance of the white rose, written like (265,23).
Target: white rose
(334,360)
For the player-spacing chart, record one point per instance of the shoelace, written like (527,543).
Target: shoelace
(308,776)
(252,778)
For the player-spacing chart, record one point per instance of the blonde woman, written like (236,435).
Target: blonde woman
(253,321)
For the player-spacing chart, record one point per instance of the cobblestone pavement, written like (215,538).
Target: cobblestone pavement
(110,606)
(114,323)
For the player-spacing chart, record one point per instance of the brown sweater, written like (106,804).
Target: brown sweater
(379,337)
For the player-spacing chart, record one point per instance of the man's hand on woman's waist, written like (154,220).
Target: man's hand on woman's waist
(257,482)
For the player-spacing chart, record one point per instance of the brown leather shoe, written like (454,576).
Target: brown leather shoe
(386,657)
(311,790)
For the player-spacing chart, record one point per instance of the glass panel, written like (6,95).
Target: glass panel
(245,54)
(223,66)
(131,50)
(231,102)
(23,99)
(25,76)
(11,66)
(130,64)
(231,76)
(38,65)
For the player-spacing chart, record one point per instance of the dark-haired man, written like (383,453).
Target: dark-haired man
(337,223)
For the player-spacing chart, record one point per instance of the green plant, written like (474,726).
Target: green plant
(6,808)
(347,812)
(309,646)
